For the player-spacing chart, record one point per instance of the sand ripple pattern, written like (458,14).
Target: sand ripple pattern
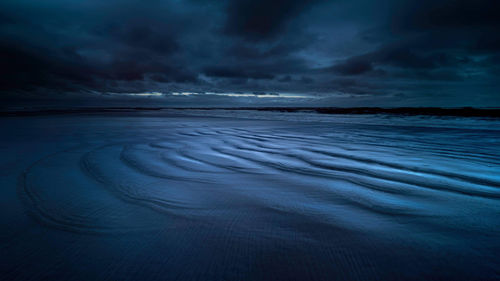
(374,183)
(220,199)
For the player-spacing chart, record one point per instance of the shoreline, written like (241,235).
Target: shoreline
(403,111)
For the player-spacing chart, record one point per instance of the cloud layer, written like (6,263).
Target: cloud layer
(336,53)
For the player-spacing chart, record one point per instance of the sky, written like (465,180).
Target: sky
(199,53)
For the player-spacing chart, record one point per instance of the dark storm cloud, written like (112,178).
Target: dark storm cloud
(404,56)
(261,19)
(228,72)
(408,52)
(429,14)
(353,66)
(432,40)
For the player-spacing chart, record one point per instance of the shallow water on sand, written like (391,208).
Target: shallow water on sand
(168,197)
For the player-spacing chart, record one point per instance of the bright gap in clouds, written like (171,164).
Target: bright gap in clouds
(151,94)
(253,95)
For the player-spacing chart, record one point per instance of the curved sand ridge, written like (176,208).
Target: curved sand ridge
(191,198)
(212,174)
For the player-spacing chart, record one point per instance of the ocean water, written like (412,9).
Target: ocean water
(218,195)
